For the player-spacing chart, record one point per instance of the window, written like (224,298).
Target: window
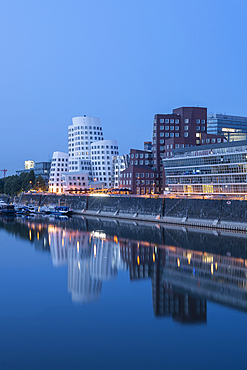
(186,120)
(203,128)
(176,134)
(203,121)
(147,174)
(141,155)
(172,128)
(197,128)
(197,121)
(186,134)
(213,141)
(186,127)
(171,120)
(176,146)
(171,134)
(136,162)
(136,155)
(176,120)
(162,127)
(162,141)
(147,182)
(219,140)
(176,128)
(207,141)
(167,134)
(142,174)
(167,147)
(161,120)
(167,127)
(161,134)
(132,155)
(166,120)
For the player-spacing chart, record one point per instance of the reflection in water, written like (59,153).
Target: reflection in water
(182,279)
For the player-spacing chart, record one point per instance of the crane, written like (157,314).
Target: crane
(4,172)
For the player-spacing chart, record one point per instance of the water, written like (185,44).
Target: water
(93,294)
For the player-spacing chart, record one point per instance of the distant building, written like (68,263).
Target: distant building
(233,128)
(29,165)
(39,168)
(218,168)
(148,146)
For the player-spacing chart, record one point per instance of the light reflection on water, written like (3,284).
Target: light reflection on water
(182,280)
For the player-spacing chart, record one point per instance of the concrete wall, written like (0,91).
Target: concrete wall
(233,211)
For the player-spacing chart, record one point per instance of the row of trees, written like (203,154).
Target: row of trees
(15,184)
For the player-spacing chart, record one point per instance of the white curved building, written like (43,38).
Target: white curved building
(102,153)
(59,165)
(83,131)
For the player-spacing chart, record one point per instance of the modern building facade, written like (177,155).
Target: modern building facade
(218,168)
(59,165)
(233,128)
(39,168)
(102,154)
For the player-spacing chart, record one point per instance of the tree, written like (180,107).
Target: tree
(40,183)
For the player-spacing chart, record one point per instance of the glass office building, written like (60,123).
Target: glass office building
(234,128)
(218,168)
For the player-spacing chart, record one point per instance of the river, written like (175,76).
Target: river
(86,293)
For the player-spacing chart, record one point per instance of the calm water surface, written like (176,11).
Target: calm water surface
(93,294)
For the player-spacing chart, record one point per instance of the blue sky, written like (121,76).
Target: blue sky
(122,61)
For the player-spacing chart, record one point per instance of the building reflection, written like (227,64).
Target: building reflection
(90,257)
(182,280)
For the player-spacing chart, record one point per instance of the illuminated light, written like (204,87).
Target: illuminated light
(138,260)
(178,262)
(94,250)
(78,244)
(30,235)
(224,129)
(49,239)
(189,258)
(64,233)
(153,257)
(138,245)
(216,265)
(98,234)
(115,239)
(79,265)
(38,235)
(63,242)
(70,238)
(212,268)
(188,261)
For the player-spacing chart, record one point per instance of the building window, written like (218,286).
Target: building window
(176,120)
(186,127)
(162,141)
(147,182)
(186,120)
(161,120)
(176,128)
(171,120)
(207,141)
(186,134)
(167,134)
(167,128)
(166,120)
(203,121)
(176,134)
(213,141)
(197,128)
(172,128)
(147,174)
(136,155)
(161,134)
(162,127)
(197,121)
(203,128)
(218,140)
(171,134)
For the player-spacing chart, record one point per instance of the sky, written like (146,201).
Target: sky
(121,60)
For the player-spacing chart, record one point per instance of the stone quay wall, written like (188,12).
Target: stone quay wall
(194,212)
